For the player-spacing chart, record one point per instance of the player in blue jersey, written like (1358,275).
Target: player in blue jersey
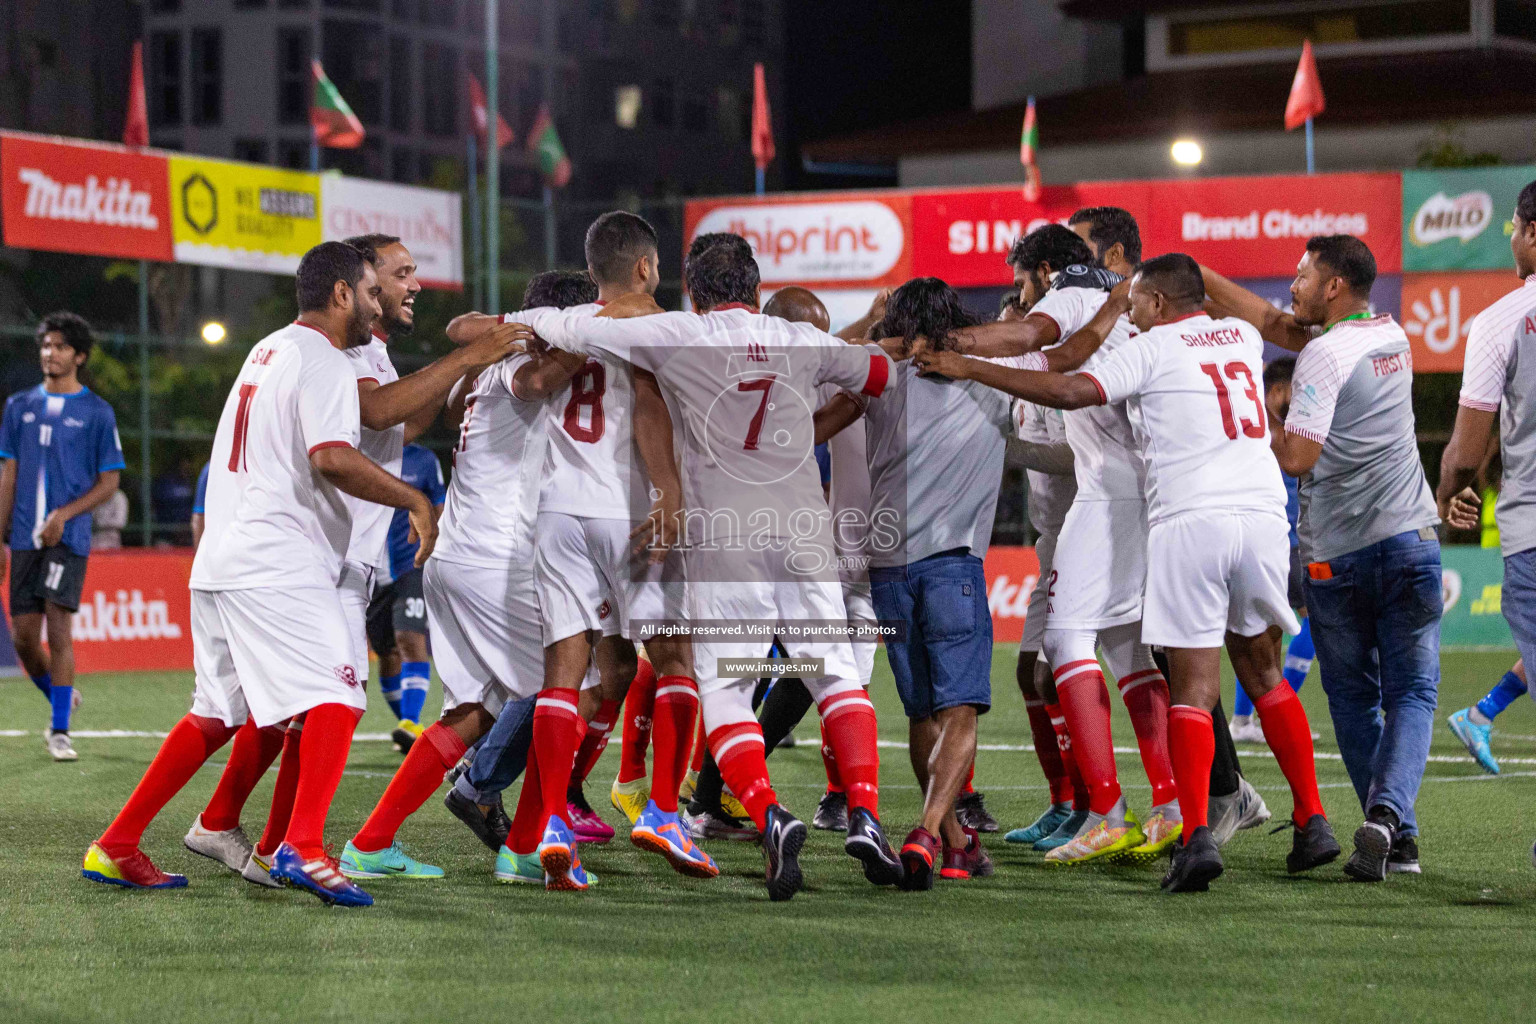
(199,496)
(397,615)
(59,458)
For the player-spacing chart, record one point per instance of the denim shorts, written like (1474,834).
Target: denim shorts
(946,659)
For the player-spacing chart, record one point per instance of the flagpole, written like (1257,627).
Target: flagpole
(549,227)
(762,176)
(476,281)
(493,161)
(146,491)
(1311,157)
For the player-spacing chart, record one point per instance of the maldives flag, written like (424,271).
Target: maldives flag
(762,127)
(544,141)
(1029,141)
(136,127)
(482,115)
(333,122)
(1306,99)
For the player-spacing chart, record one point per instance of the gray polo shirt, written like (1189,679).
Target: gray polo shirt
(1353,394)
(935,463)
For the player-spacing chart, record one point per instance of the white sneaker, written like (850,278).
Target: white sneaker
(258,871)
(59,745)
(1241,810)
(230,847)
(1246,730)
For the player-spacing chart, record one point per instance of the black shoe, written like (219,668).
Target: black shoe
(403,739)
(866,842)
(1373,846)
(1312,846)
(497,821)
(786,742)
(782,840)
(467,811)
(973,813)
(832,813)
(1404,858)
(576,796)
(1196,863)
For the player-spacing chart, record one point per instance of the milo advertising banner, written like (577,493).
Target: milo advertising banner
(1456,219)
(1472,583)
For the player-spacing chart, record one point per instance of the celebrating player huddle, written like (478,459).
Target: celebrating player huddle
(626,476)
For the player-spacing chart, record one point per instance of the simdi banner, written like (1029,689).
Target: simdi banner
(1438,310)
(1456,219)
(102,199)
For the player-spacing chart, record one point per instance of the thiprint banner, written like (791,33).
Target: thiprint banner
(427,220)
(1457,219)
(242,216)
(135,612)
(1438,311)
(68,196)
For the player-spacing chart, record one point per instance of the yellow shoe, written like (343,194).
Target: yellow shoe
(405,733)
(1161,835)
(685,791)
(1102,842)
(630,797)
(730,805)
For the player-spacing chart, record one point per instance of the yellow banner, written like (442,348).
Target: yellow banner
(242,216)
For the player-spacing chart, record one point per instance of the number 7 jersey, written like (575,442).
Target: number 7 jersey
(1194,391)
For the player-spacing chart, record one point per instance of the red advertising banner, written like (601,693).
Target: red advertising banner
(1011,575)
(69,196)
(821,240)
(135,612)
(1258,227)
(1438,311)
(964,236)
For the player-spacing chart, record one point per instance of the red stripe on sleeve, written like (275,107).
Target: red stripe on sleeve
(879,376)
(330,444)
(1103,398)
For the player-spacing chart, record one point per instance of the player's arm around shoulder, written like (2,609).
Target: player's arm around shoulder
(1298,443)
(1025,377)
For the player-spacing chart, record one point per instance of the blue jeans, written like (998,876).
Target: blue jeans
(501,755)
(946,659)
(1376,625)
(1519,600)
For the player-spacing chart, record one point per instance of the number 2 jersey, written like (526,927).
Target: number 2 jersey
(272,519)
(1193,390)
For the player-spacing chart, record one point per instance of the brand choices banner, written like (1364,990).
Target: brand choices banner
(100,199)
(1458,219)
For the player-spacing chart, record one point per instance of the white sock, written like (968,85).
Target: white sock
(1475,714)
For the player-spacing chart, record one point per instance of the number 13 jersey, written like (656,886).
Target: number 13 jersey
(1194,391)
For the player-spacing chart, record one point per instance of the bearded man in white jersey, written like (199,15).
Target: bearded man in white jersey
(270,638)
(757,543)
(1217,551)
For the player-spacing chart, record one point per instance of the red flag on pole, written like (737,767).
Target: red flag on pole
(330,117)
(1029,141)
(762,128)
(482,115)
(1306,100)
(136,127)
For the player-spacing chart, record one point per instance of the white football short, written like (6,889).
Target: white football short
(270,653)
(1099,567)
(355,586)
(1209,573)
(588,580)
(486,640)
(1034,615)
(861,612)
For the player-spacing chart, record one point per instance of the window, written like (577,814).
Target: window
(663,103)
(293,153)
(354,5)
(293,76)
(695,112)
(254,150)
(165,6)
(440,88)
(1515,19)
(728,105)
(353,55)
(207,75)
(402,165)
(1338,23)
(295,4)
(165,78)
(403,8)
(664,13)
(626,106)
(249,4)
(400,83)
(753,22)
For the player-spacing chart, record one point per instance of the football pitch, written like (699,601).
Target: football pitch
(645,944)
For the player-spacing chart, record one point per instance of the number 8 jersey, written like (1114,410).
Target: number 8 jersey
(1194,391)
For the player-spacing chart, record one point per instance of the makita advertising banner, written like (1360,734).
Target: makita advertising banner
(1458,219)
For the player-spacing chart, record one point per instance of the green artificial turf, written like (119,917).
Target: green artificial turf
(1028,944)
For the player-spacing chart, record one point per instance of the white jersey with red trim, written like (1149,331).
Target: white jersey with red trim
(271,519)
(590,423)
(1194,390)
(370,521)
(493,495)
(1106,461)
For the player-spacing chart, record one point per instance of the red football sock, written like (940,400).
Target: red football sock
(434,752)
(738,750)
(829,762)
(250,757)
(854,736)
(1193,744)
(323,748)
(970,779)
(639,707)
(1047,752)
(556,737)
(1085,704)
(1068,757)
(1289,735)
(595,741)
(527,822)
(700,748)
(282,793)
(1146,698)
(191,742)
(677,703)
